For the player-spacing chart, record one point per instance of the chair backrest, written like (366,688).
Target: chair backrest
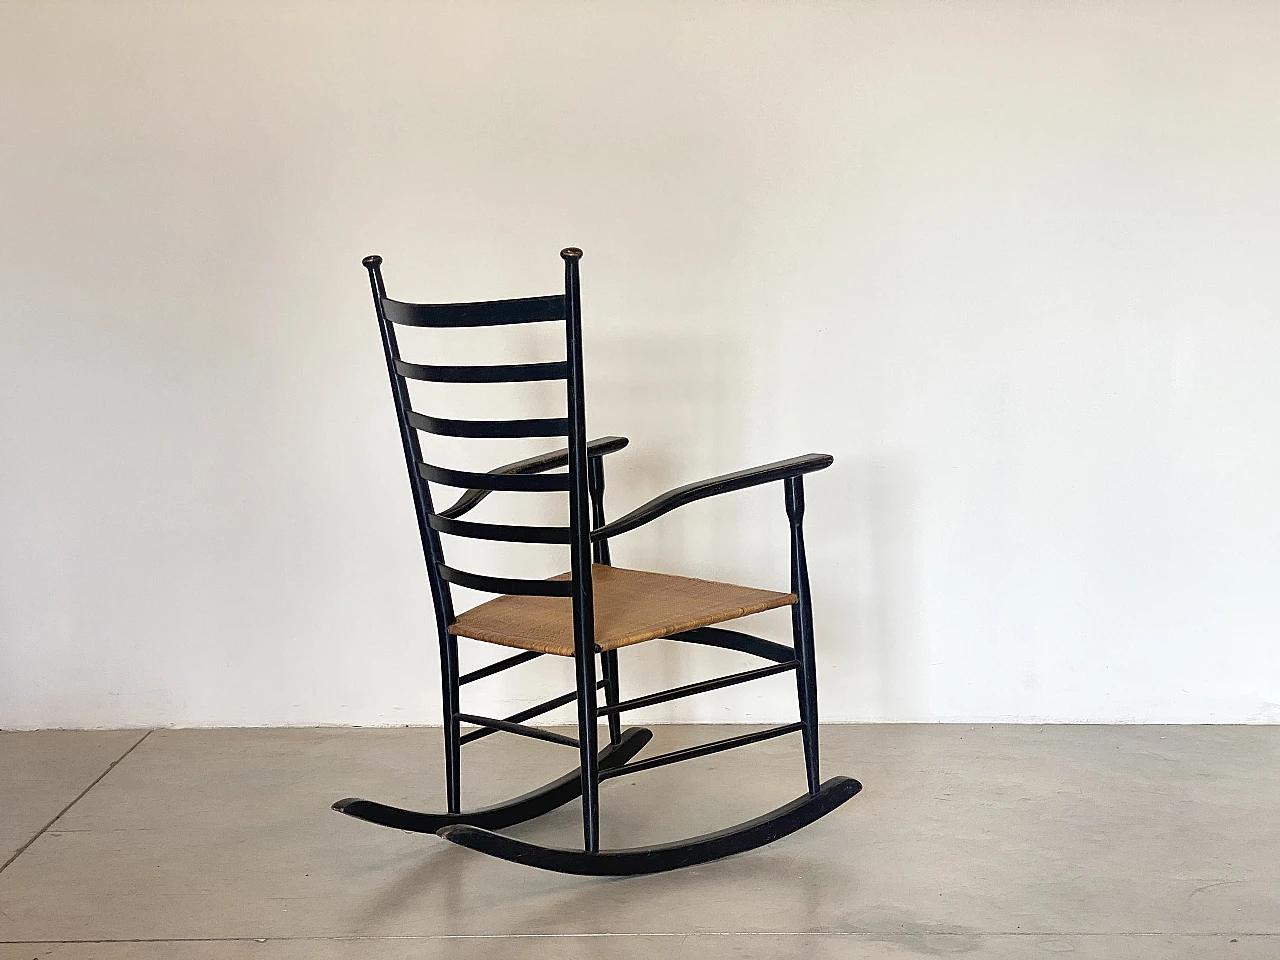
(562,308)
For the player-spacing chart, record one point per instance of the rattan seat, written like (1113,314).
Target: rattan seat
(631,606)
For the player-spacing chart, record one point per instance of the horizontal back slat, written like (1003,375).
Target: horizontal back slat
(497,373)
(507,585)
(489,313)
(535,482)
(545,461)
(548,427)
(499,531)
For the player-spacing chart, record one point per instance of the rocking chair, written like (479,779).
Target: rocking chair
(595,609)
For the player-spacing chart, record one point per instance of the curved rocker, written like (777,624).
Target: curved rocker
(772,826)
(522,808)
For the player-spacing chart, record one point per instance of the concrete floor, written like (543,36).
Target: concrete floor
(1124,843)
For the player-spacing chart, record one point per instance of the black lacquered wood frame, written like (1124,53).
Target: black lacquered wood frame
(578,471)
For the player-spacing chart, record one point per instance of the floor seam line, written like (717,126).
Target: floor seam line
(80,796)
(743,933)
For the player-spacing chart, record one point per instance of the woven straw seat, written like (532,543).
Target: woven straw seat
(631,606)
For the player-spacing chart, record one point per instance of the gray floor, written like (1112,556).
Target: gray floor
(1125,843)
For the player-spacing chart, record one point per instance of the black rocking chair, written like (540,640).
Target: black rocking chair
(594,609)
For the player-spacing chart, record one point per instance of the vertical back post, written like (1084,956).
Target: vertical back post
(442,599)
(802,631)
(584,641)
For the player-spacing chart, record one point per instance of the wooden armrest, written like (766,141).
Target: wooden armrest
(538,464)
(690,492)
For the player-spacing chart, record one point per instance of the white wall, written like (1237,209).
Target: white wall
(1013,264)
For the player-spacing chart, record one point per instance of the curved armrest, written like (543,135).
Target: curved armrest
(690,492)
(538,464)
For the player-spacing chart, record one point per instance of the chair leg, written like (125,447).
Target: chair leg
(600,554)
(587,718)
(452,731)
(802,632)
(807,691)
(609,667)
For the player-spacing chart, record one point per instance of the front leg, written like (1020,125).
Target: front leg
(802,632)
